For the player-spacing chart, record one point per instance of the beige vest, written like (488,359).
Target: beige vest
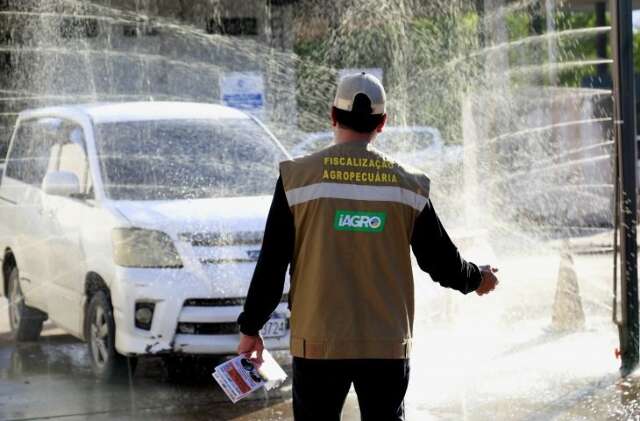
(351,280)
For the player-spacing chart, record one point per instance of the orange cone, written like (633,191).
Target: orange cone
(568,314)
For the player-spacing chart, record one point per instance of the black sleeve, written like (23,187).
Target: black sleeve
(267,284)
(439,257)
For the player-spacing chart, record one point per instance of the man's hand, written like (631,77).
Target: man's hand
(250,344)
(489,280)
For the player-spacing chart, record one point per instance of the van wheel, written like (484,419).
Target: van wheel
(100,331)
(25,322)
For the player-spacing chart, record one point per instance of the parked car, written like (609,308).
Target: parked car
(421,147)
(136,227)
(418,146)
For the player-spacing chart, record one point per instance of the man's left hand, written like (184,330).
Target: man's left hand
(250,344)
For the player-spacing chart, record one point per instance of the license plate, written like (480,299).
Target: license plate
(274,328)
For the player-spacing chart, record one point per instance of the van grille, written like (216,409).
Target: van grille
(229,328)
(222,302)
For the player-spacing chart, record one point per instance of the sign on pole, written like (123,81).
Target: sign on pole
(244,91)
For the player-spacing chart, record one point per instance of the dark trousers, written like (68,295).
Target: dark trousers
(320,388)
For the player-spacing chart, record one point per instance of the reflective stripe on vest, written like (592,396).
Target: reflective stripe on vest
(356,192)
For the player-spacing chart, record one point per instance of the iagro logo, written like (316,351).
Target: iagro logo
(359,221)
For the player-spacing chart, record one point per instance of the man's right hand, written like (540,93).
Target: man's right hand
(249,344)
(489,280)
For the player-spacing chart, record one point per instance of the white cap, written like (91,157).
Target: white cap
(360,83)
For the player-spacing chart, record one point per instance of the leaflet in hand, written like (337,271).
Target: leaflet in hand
(238,377)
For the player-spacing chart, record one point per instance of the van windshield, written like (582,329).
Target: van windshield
(186,159)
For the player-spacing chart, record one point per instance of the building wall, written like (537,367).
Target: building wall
(544,156)
(66,51)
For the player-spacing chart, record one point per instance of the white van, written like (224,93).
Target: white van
(136,227)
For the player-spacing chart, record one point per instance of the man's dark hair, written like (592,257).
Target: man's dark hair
(360,118)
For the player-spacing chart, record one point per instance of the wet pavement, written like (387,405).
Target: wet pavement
(52,379)
(475,358)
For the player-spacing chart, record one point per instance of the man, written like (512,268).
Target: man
(344,219)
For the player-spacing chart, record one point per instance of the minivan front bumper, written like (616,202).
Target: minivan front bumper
(179,296)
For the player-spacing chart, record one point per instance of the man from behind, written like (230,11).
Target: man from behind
(344,219)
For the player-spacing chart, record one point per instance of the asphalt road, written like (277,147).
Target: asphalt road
(475,358)
(52,379)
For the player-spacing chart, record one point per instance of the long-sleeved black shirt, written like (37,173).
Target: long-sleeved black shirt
(435,253)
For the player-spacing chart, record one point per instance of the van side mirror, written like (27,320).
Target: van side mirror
(61,183)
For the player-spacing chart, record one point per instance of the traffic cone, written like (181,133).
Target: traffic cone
(568,314)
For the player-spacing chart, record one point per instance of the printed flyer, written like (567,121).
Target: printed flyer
(239,377)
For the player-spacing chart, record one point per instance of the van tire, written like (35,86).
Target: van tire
(25,322)
(100,331)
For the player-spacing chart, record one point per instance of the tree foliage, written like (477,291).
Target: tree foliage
(431,59)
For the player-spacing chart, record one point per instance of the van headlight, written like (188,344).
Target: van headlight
(142,248)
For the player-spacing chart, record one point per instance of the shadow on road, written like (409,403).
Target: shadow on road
(52,378)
